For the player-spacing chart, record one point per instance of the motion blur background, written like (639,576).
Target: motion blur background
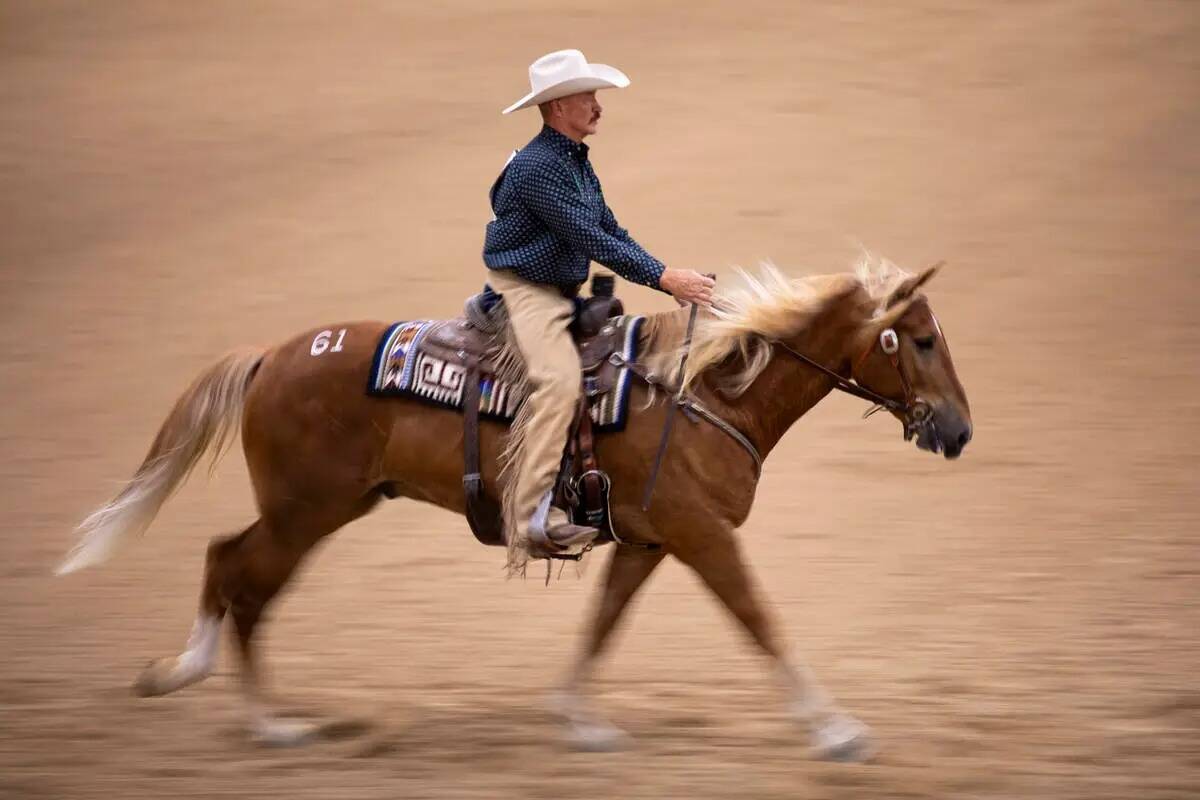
(177,179)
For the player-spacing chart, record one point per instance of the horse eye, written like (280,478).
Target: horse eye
(924,342)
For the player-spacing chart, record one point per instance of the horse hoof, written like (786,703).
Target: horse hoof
(597,737)
(283,732)
(152,681)
(165,675)
(843,739)
(561,702)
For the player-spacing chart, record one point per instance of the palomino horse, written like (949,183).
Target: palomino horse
(321,453)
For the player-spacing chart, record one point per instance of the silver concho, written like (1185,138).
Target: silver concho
(889,341)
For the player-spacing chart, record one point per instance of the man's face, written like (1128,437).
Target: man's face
(579,113)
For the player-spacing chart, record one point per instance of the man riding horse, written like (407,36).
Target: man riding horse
(551,221)
(777,348)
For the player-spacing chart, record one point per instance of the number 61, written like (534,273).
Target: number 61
(321,343)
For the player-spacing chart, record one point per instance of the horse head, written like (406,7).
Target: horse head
(905,357)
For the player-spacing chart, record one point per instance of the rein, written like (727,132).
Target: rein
(916,412)
(913,409)
(844,385)
(692,407)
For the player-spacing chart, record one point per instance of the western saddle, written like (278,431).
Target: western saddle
(582,488)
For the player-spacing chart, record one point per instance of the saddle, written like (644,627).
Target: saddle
(582,488)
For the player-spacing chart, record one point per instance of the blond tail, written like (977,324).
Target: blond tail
(204,419)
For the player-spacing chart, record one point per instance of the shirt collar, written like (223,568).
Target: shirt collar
(563,144)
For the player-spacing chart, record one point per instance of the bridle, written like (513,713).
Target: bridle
(915,411)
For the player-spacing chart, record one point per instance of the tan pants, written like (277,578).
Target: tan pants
(540,318)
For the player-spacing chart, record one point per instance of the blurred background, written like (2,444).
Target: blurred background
(177,179)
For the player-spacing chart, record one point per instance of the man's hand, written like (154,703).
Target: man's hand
(688,286)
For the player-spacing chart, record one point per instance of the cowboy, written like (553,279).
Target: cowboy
(551,222)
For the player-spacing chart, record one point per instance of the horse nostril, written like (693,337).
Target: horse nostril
(964,437)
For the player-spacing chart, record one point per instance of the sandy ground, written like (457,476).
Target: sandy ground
(178,179)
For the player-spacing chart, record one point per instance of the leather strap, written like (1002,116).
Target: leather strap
(693,408)
(590,483)
(472,480)
(482,513)
(841,383)
(585,435)
(691,405)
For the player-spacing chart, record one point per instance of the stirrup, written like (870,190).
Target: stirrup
(566,540)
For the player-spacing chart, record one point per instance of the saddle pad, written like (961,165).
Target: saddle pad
(401,368)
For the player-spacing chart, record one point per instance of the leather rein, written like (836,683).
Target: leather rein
(914,410)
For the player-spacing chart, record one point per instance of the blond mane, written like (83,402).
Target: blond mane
(770,305)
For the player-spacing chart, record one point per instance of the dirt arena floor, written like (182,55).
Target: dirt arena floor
(178,179)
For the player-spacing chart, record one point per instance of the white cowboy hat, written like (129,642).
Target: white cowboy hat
(566,72)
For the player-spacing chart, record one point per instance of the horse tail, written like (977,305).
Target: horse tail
(205,418)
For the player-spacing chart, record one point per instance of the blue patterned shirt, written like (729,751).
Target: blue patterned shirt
(551,219)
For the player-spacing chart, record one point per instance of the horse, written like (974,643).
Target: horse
(322,453)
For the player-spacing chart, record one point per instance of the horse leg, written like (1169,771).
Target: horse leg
(252,576)
(198,659)
(716,557)
(628,569)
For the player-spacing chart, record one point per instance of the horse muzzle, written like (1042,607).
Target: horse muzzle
(939,431)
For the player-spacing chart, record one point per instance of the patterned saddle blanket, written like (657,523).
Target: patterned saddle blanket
(429,360)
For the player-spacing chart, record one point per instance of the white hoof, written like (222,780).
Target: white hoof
(193,665)
(586,732)
(842,738)
(562,702)
(283,731)
(597,737)
(167,675)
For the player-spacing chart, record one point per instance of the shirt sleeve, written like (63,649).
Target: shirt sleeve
(608,221)
(555,199)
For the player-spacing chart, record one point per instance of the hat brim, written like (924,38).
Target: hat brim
(601,76)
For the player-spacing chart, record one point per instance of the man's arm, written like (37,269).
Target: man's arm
(554,198)
(687,286)
(608,221)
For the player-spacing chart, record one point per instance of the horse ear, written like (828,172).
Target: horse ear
(870,332)
(910,285)
(890,317)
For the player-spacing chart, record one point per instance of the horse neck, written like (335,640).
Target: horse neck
(787,388)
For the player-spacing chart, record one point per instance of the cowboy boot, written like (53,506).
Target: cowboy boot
(552,535)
